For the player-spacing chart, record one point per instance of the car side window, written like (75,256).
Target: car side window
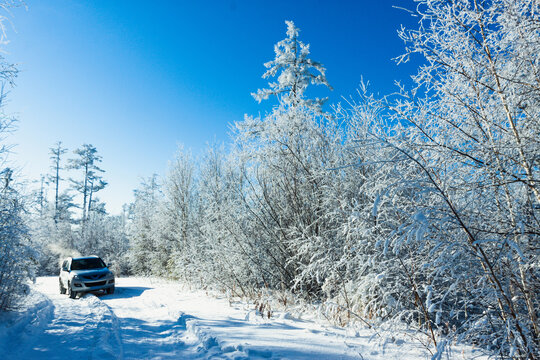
(65,265)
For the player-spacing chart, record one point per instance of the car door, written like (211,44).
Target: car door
(64,272)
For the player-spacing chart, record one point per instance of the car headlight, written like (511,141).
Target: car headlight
(76,277)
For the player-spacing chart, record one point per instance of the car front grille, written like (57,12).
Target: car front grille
(93,277)
(95,283)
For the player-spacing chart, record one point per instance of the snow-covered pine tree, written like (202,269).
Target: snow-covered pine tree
(294,71)
(56,153)
(87,160)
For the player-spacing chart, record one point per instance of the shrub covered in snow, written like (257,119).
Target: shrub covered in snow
(18,260)
(421,208)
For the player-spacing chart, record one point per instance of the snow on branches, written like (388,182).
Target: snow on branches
(294,71)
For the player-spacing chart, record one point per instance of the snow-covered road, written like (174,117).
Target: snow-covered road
(155,319)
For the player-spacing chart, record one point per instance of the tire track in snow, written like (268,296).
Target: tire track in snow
(80,328)
(147,327)
(152,319)
(103,325)
(153,327)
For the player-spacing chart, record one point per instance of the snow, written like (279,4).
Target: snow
(157,319)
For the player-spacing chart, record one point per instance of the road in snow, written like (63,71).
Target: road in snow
(155,319)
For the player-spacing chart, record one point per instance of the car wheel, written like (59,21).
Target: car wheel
(72,294)
(110,290)
(62,288)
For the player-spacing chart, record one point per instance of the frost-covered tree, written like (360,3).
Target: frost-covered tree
(91,182)
(294,71)
(179,211)
(105,235)
(56,153)
(142,230)
(17,259)
(87,160)
(239,263)
(454,215)
(51,228)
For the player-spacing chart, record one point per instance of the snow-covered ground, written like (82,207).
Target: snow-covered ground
(156,319)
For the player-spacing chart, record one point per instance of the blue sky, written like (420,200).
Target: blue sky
(137,78)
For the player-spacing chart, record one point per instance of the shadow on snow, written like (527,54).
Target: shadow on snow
(122,292)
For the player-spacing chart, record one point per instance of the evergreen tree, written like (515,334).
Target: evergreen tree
(91,181)
(56,153)
(294,71)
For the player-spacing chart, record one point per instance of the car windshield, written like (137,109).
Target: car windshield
(85,264)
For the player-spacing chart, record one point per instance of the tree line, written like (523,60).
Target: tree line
(420,207)
(73,220)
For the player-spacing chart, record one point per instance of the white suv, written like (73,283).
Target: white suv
(85,274)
